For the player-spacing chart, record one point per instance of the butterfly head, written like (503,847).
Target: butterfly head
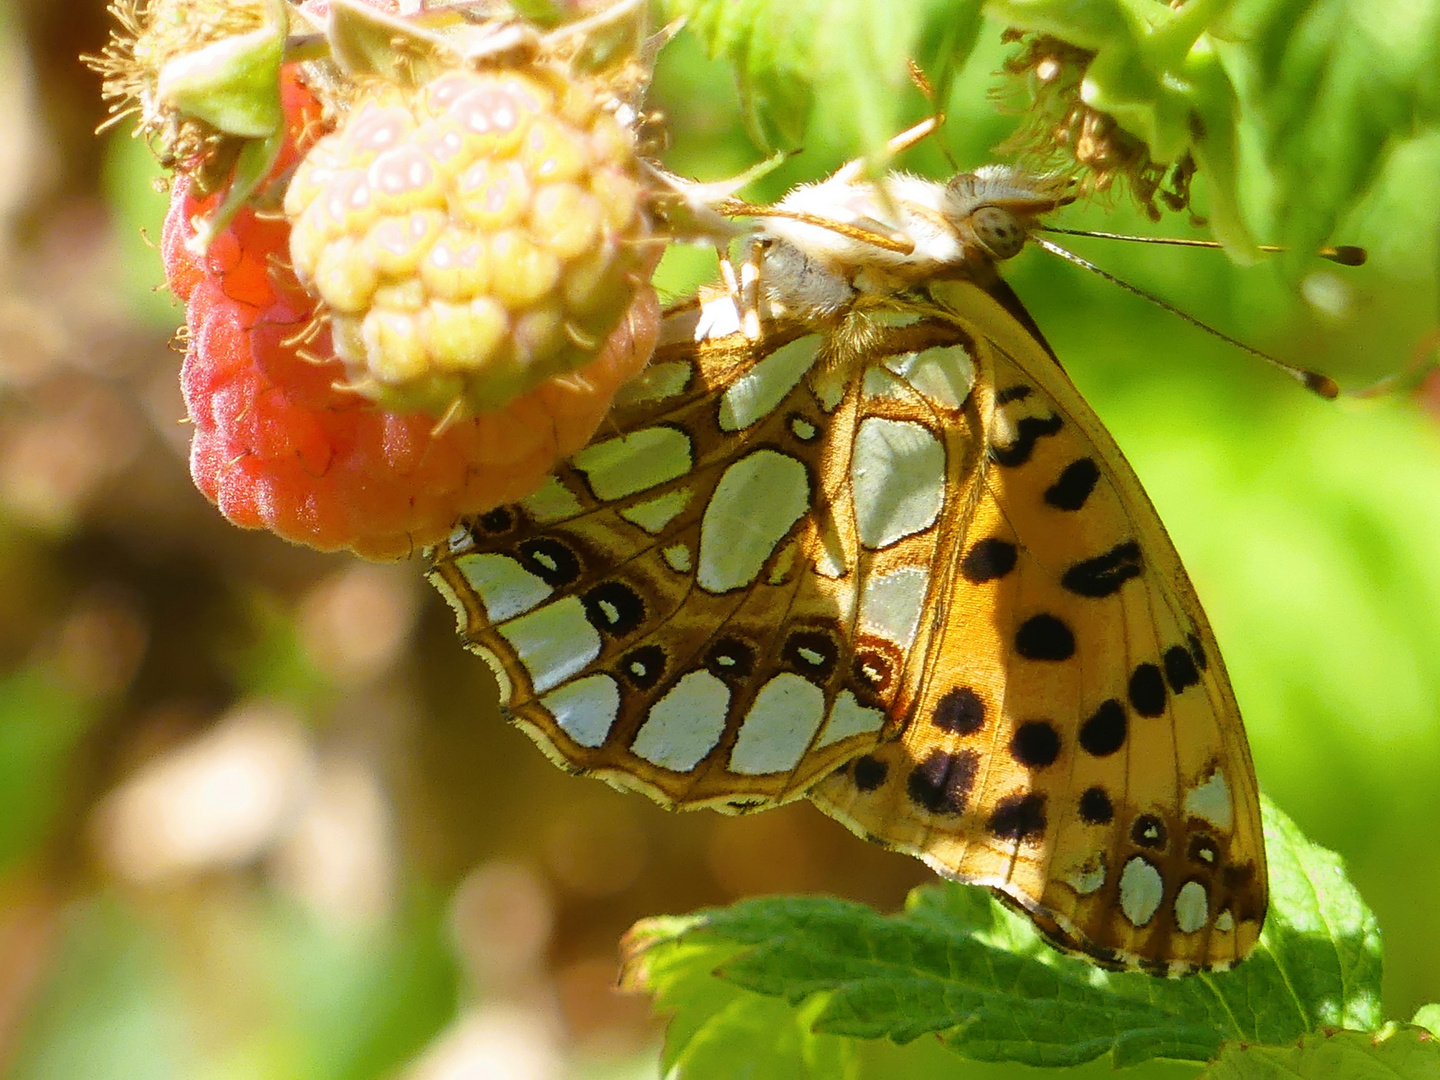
(994,208)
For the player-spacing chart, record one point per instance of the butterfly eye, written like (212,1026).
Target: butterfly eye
(998,232)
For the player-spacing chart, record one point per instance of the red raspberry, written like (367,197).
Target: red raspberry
(277,446)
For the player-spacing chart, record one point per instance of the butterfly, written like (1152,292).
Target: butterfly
(855,536)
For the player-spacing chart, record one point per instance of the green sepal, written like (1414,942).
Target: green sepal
(253,164)
(232,84)
(367,43)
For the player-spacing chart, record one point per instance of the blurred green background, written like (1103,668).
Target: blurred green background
(258,814)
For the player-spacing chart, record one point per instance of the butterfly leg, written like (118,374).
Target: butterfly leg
(744,290)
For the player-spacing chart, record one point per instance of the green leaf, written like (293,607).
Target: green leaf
(958,965)
(1289,107)
(1428,1017)
(1331,86)
(1322,89)
(715,1024)
(783,51)
(1396,1053)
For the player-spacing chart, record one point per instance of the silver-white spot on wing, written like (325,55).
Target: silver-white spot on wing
(653,515)
(828,385)
(553,642)
(754,505)
(879,383)
(630,463)
(829,553)
(1141,890)
(585,709)
(890,604)
(848,717)
(655,383)
(551,503)
(504,586)
(1087,875)
(779,726)
(678,557)
(685,724)
(1192,907)
(898,476)
(756,393)
(945,373)
(1210,802)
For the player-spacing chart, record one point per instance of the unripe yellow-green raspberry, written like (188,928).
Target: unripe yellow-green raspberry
(469,239)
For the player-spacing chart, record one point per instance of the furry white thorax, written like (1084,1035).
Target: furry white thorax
(818,270)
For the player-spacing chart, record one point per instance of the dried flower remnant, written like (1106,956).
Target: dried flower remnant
(1062,133)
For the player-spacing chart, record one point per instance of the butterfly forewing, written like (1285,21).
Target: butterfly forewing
(716,601)
(1074,742)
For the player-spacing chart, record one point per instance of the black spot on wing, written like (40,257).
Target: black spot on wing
(1072,488)
(730,659)
(1148,831)
(1104,574)
(874,667)
(497,521)
(869,773)
(959,711)
(613,608)
(941,783)
(1035,744)
(989,560)
(812,653)
(1028,431)
(552,561)
(643,667)
(1147,690)
(1044,637)
(1197,651)
(1104,732)
(1180,670)
(1096,807)
(1203,851)
(1018,817)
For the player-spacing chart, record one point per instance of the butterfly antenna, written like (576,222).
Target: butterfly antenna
(1344,254)
(1313,381)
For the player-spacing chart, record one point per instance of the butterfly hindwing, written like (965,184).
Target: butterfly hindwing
(717,600)
(1074,742)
